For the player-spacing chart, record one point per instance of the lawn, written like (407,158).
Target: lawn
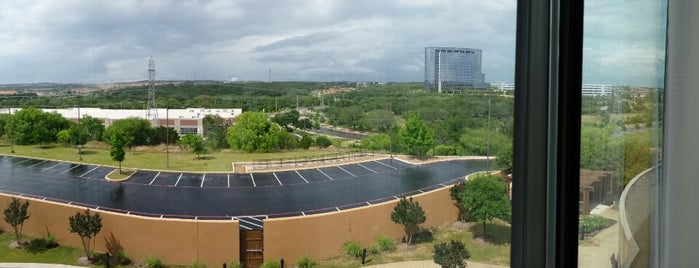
(494,250)
(59,255)
(155,157)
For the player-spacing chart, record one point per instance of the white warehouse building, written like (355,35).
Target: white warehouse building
(184,121)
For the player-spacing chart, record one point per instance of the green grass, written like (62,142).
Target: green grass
(495,249)
(59,255)
(150,158)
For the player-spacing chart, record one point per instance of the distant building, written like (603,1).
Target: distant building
(596,90)
(184,121)
(502,86)
(452,69)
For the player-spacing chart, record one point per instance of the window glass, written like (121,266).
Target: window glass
(623,76)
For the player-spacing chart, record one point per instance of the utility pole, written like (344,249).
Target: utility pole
(152,112)
(80,146)
(11,134)
(487,164)
(167,137)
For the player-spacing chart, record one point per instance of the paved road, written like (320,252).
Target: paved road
(204,195)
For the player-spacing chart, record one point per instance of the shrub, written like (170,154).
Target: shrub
(591,223)
(305,262)
(374,249)
(271,264)
(154,263)
(452,254)
(119,258)
(37,245)
(353,249)
(323,141)
(385,244)
(51,241)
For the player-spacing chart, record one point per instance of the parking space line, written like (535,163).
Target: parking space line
(91,170)
(326,175)
(368,203)
(178,179)
(396,197)
(51,166)
(387,165)
(420,190)
(70,169)
(275,176)
(303,213)
(367,168)
(229,180)
(153,180)
(36,164)
(337,208)
(347,171)
(251,223)
(304,179)
(202,181)
(20,162)
(253,180)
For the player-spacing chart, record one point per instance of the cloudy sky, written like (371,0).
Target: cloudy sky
(319,40)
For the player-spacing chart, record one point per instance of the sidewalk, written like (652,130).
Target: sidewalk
(430,264)
(35,265)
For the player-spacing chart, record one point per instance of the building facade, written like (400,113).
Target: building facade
(449,69)
(596,90)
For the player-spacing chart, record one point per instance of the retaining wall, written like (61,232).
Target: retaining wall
(321,236)
(174,241)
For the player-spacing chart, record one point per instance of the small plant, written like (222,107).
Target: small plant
(154,263)
(37,245)
(271,264)
(235,265)
(385,244)
(352,249)
(51,241)
(197,265)
(374,249)
(305,262)
(451,255)
(591,223)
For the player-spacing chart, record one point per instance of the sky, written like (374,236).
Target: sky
(69,41)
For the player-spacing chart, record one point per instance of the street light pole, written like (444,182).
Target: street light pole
(11,135)
(80,146)
(167,137)
(487,164)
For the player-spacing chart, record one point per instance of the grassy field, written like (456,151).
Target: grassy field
(494,250)
(154,157)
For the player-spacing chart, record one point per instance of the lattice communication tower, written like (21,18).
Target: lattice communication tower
(152,112)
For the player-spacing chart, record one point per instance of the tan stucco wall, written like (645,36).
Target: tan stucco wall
(321,236)
(172,240)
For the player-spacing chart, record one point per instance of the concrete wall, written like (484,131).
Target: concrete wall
(321,236)
(172,240)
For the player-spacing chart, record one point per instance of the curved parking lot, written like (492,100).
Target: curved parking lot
(248,197)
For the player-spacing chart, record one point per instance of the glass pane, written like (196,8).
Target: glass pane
(623,76)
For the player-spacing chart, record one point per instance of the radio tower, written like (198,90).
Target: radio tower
(152,112)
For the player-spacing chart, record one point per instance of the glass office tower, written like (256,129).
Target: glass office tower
(449,69)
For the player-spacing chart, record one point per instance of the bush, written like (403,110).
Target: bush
(119,259)
(154,263)
(353,249)
(385,244)
(323,141)
(51,241)
(271,264)
(452,254)
(591,223)
(305,262)
(37,245)
(374,249)
(235,265)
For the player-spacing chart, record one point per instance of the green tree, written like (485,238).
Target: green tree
(161,134)
(137,130)
(287,119)
(451,255)
(306,141)
(87,226)
(215,132)
(376,142)
(78,134)
(15,215)
(33,126)
(408,213)
(63,136)
(250,131)
(484,198)
(117,140)
(456,194)
(416,136)
(94,126)
(194,143)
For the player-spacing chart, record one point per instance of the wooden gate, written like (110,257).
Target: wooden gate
(251,248)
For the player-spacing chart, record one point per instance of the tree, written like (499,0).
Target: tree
(484,198)
(323,141)
(194,143)
(409,213)
(15,215)
(87,226)
(161,134)
(78,133)
(416,135)
(451,255)
(287,120)
(33,126)
(248,134)
(137,130)
(117,140)
(455,193)
(94,127)
(377,142)
(306,141)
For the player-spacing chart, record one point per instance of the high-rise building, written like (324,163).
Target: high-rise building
(452,69)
